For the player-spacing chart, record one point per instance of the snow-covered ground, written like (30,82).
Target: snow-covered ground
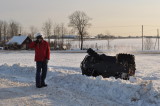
(67,87)
(119,45)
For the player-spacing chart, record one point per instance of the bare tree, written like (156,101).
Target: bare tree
(47,28)
(63,32)
(71,32)
(58,35)
(1,27)
(5,30)
(14,28)
(33,30)
(80,21)
(57,31)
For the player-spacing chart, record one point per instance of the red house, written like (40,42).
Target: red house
(19,42)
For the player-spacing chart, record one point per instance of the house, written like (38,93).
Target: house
(19,42)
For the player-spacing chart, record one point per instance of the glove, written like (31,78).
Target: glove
(46,61)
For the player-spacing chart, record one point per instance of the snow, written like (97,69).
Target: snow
(17,39)
(67,87)
(117,45)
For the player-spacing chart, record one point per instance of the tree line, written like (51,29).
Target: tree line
(78,24)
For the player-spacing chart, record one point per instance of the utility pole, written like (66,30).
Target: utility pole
(142,37)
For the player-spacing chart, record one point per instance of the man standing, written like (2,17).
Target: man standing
(42,55)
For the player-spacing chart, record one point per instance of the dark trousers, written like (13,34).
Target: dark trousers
(41,73)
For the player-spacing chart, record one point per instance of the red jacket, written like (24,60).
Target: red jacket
(42,50)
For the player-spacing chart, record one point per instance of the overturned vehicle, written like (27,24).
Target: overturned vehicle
(119,66)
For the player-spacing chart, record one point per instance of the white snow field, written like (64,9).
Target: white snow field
(119,45)
(67,87)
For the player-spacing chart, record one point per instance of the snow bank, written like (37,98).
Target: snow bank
(132,92)
(72,88)
(17,72)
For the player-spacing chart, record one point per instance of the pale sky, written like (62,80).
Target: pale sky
(117,17)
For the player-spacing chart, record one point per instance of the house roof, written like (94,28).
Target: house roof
(18,39)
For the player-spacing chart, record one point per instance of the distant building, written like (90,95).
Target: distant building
(70,36)
(18,42)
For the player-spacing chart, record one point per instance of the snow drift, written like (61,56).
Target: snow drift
(71,88)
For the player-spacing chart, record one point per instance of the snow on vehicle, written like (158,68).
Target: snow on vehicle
(119,66)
